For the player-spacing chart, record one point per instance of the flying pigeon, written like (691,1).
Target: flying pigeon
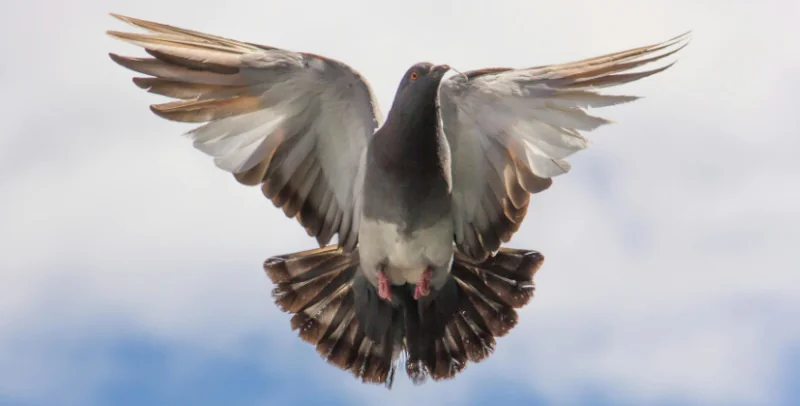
(420,203)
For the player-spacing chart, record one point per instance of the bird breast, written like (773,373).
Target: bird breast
(404,256)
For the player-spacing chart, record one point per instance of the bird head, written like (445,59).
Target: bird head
(419,88)
(422,76)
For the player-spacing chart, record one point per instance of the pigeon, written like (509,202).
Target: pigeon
(421,202)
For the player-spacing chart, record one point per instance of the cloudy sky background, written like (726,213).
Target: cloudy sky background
(131,266)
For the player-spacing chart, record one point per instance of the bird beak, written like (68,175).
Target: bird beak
(440,69)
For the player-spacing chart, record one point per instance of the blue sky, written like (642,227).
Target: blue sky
(131,273)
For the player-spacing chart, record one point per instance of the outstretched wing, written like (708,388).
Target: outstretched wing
(295,123)
(510,130)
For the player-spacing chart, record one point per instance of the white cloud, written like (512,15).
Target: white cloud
(658,244)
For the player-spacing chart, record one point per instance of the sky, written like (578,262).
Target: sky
(131,267)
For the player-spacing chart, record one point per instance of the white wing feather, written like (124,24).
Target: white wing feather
(296,123)
(518,126)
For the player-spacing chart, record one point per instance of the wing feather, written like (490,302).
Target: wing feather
(295,123)
(511,130)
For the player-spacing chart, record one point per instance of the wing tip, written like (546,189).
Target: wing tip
(142,83)
(128,37)
(686,36)
(117,58)
(672,46)
(126,19)
(125,61)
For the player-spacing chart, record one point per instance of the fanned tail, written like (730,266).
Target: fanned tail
(338,311)
(460,323)
(317,287)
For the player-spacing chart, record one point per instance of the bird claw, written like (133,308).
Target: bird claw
(423,285)
(384,288)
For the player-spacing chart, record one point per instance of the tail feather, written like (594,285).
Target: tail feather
(316,286)
(477,306)
(335,309)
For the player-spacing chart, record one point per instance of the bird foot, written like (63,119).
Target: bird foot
(423,285)
(384,288)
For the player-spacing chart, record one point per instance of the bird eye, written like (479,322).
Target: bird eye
(414,75)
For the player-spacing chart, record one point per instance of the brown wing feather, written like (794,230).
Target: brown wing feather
(294,123)
(526,122)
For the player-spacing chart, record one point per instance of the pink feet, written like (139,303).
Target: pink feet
(384,289)
(423,285)
(422,289)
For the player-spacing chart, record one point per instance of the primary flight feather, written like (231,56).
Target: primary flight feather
(420,204)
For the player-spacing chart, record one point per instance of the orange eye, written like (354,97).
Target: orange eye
(414,75)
